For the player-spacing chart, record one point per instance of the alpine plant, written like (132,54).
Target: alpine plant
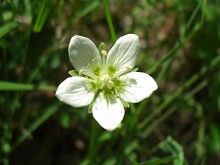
(106,81)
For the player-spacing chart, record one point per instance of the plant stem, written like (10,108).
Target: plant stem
(93,141)
(109,20)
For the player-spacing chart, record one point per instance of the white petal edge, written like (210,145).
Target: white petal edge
(108,114)
(83,54)
(138,86)
(74,91)
(124,53)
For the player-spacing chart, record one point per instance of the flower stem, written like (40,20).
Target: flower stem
(93,147)
(109,20)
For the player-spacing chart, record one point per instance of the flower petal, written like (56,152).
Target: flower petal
(83,54)
(123,55)
(108,114)
(138,86)
(74,91)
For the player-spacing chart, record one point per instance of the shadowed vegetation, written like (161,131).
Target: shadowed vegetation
(178,124)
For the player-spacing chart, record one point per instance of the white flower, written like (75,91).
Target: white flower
(105,81)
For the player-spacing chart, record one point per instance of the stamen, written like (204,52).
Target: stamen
(104,52)
(102,46)
(81,72)
(105,78)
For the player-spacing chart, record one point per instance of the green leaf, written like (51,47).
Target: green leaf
(13,86)
(131,147)
(7,28)
(65,119)
(73,73)
(175,149)
(158,161)
(105,137)
(88,8)
(42,16)
(109,20)
(214,138)
(39,121)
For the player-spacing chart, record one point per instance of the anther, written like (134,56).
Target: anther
(104,52)
(81,72)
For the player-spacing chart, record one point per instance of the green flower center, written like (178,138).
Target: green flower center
(105,79)
(106,82)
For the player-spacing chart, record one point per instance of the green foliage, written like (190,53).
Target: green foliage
(7,28)
(175,149)
(42,15)
(214,138)
(178,124)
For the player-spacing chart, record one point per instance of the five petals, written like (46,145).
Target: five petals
(85,57)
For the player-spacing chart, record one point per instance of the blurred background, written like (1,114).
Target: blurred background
(179,124)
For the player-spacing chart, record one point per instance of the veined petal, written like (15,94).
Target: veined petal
(123,55)
(74,91)
(83,54)
(108,114)
(138,86)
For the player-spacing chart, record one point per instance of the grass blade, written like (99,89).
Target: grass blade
(13,86)
(7,28)
(42,16)
(109,20)
(39,121)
